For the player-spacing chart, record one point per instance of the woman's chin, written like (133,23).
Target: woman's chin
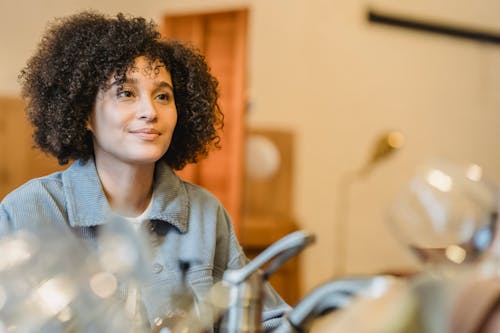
(144,159)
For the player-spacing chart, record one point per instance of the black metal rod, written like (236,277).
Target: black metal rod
(431,27)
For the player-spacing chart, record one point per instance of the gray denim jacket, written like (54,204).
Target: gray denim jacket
(193,223)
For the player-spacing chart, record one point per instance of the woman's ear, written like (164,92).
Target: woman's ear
(88,126)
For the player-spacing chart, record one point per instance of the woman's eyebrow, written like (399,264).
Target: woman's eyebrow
(164,84)
(133,81)
(120,83)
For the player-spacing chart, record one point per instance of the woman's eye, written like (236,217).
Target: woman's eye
(163,97)
(124,93)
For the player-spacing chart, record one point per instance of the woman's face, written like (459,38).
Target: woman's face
(133,123)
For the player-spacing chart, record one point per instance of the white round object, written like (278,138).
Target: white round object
(262,157)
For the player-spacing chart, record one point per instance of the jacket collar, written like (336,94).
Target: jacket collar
(87,205)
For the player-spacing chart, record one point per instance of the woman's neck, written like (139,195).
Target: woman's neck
(128,188)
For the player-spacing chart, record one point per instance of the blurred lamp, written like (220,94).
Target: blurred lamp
(384,147)
(263,157)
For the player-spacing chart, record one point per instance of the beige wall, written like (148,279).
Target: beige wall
(317,68)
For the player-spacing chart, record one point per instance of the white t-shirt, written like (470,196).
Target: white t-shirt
(137,221)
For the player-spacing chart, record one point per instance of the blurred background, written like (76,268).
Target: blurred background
(309,88)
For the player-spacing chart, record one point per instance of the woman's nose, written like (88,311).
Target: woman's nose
(146,110)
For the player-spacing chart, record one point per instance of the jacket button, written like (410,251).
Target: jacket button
(157,268)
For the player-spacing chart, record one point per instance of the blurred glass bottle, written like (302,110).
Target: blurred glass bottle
(446,215)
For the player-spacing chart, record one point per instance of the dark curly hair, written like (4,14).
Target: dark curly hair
(76,58)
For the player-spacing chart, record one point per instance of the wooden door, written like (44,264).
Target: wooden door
(222,38)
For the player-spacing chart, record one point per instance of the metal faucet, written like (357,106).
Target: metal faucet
(329,297)
(244,314)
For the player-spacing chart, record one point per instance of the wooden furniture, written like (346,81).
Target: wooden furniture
(257,233)
(19,161)
(267,213)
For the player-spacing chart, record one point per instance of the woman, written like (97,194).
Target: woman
(128,109)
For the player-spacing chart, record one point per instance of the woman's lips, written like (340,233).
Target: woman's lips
(146,133)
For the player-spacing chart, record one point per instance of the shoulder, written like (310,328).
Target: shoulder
(198,193)
(37,199)
(171,187)
(206,208)
(35,189)
(204,202)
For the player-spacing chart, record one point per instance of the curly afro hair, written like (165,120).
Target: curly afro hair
(77,57)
